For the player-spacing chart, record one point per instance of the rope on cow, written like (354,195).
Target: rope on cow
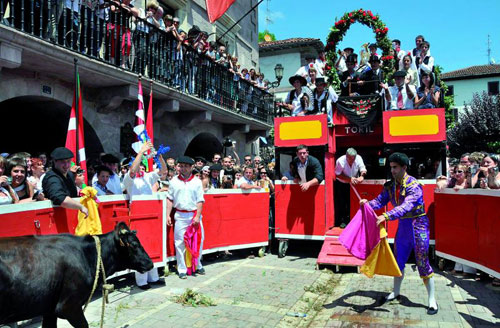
(106,288)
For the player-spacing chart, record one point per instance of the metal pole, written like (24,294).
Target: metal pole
(239,20)
(77,110)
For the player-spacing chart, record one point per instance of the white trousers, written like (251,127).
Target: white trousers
(142,279)
(182,222)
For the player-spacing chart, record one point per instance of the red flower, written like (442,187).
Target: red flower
(370,12)
(361,10)
(364,14)
(377,30)
(386,29)
(375,17)
(352,20)
(328,68)
(350,14)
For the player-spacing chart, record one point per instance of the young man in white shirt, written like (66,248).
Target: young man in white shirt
(185,194)
(246,181)
(402,94)
(349,169)
(113,184)
(103,173)
(138,182)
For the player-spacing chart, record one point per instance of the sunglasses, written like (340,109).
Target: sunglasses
(459,171)
(263,172)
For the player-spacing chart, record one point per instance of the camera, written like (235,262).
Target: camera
(473,169)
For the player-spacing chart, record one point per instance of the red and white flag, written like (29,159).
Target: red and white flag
(149,126)
(79,154)
(217,8)
(139,121)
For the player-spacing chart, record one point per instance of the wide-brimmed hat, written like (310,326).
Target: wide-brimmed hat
(374,58)
(320,80)
(296,77)
(351,58)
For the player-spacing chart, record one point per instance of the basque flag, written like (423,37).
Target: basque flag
(78,148)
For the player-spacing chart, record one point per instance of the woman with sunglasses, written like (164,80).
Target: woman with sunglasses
(460,181)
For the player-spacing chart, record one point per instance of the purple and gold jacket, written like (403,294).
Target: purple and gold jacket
(408,204)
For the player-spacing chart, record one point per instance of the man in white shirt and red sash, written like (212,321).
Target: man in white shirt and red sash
(185,194)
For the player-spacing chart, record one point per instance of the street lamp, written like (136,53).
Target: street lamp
(278,71)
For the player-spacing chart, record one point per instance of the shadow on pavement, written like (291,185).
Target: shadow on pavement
(378,301)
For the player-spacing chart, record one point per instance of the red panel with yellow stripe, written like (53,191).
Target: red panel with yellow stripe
(417,125)
(307,130)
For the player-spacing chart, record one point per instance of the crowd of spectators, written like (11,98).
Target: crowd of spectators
(415,85)
(21,175)
(474,170)
(147,41)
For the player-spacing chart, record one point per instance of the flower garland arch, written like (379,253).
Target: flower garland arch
(367,18)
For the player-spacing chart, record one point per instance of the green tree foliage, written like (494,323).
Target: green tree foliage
(449,101)
(478,128)
(263,34)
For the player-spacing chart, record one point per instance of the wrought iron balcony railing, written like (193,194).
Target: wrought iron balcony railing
(110,33)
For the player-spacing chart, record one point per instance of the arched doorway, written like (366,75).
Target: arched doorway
(204,144)
(38,124)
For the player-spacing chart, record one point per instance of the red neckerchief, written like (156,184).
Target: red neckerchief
(185,180)
(139,174)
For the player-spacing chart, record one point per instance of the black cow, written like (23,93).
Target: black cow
(52,276)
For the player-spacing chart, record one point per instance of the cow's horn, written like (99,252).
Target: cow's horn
(123,231)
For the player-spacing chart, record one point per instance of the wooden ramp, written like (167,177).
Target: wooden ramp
(333,253)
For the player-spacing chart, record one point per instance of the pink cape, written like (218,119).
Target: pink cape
(192,240)
(362,234)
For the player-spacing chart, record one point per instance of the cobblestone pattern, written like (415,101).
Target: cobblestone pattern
(265,292)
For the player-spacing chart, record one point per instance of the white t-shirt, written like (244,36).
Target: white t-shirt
(140,186)
(185,194)
(113,184)
(351,171)
(243,180)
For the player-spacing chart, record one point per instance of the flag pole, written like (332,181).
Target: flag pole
(77,111)
(239,20)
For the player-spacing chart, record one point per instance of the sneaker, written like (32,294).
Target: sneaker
(200,271)
(182,275)
(145,287)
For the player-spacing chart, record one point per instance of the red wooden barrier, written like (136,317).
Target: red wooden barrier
(232,219)
(467,228)
(300,215)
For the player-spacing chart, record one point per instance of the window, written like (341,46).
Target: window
(493,88)
(451,91)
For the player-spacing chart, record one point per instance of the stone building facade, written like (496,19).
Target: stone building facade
(37,87)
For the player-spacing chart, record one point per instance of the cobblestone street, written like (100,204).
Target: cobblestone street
(269,291)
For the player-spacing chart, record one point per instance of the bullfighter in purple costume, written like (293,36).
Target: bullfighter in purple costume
(406,195)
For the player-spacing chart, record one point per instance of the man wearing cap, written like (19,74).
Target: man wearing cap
(59,183)
(349,78)
(298,101)
(406,195)
(401,95)
(371,79)
(323,97)
(138,182)
(185,194)
(113,185)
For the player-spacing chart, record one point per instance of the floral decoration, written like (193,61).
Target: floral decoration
(337,32)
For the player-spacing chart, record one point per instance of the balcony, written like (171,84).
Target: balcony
(37,35)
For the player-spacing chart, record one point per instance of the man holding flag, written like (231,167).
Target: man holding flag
(406,195)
